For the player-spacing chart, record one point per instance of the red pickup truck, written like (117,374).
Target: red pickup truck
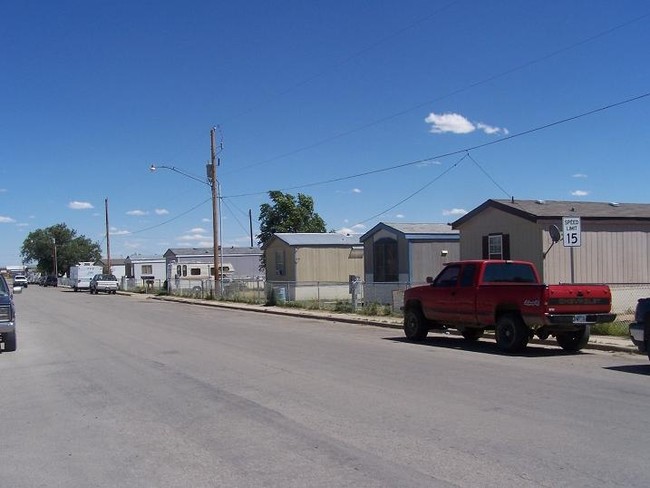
(507,297)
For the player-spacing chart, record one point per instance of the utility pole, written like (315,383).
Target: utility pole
(56,268)
(250,225)
(108,241)
(212,178)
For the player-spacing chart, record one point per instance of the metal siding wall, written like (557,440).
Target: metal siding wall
(610,252)
(288,262)
(427,261)
(525,236)
(328,264)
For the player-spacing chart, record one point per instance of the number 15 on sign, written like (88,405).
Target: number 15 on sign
(571,231)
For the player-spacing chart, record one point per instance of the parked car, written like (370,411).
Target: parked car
(104,282)
(7,316)
(20,280)
(640,328)
(51,280)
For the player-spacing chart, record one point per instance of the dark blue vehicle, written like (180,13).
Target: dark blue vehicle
(640,328)
(7,316)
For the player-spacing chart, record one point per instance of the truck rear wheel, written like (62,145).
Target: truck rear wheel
(573,341)
(415,328)
(511,333)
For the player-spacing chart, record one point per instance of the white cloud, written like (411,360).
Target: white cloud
(23,224)
(75,205)
(356,190)
(204,219)
(137,213)
(488,129)
(449,122)
(425,164)
(458,124)
(161,211)
(355,229)
(579,175)
(3,190)
(192,237)
(6,220)
(579,193)
(454,211)
(116,232)
(197,230)
(399,216)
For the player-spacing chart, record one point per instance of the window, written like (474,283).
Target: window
(146,269)
(448,277)
(509,273)
(184,270)
(385,260)
(496,246)
(195,271)
(279,263)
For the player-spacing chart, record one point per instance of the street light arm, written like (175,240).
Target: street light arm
(153,168)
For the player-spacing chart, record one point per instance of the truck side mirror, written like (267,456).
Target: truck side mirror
(430,280)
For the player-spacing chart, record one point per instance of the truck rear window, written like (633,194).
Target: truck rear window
(508,273)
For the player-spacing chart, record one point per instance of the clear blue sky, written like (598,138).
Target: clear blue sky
(303,93)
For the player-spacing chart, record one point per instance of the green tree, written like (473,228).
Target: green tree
(287,214)
(39,247)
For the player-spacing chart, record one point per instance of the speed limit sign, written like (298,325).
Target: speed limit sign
(571,231)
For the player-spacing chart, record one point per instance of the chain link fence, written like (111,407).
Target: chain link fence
(357,296)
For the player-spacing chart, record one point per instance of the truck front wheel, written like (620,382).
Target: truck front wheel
(573,341)
(511,333)
(415,328)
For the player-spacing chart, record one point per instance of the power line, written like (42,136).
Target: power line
(168,220)
(466,150)
(453,153)
(419,190)
(489,177)
(347,59)
(448,95)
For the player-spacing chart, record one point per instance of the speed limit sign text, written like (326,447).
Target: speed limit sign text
(571,231)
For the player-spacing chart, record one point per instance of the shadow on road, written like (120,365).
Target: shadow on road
(642,369)
(486,347)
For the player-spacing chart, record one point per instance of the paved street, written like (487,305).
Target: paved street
(126,391)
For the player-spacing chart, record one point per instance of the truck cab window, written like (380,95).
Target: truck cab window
(448,277)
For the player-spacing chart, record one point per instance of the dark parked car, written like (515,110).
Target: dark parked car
(7,316)
(51,281)
(640,328)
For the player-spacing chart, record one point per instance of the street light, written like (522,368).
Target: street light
(212,182)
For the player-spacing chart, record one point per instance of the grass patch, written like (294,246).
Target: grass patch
(376,309)
(618,329)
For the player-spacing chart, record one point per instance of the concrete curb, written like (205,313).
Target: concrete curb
(601,343)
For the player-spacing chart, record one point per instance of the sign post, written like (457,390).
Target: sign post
(571,238)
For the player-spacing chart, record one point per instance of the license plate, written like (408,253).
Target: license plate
(579,319)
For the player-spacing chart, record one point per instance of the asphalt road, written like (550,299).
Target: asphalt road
(127,392)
